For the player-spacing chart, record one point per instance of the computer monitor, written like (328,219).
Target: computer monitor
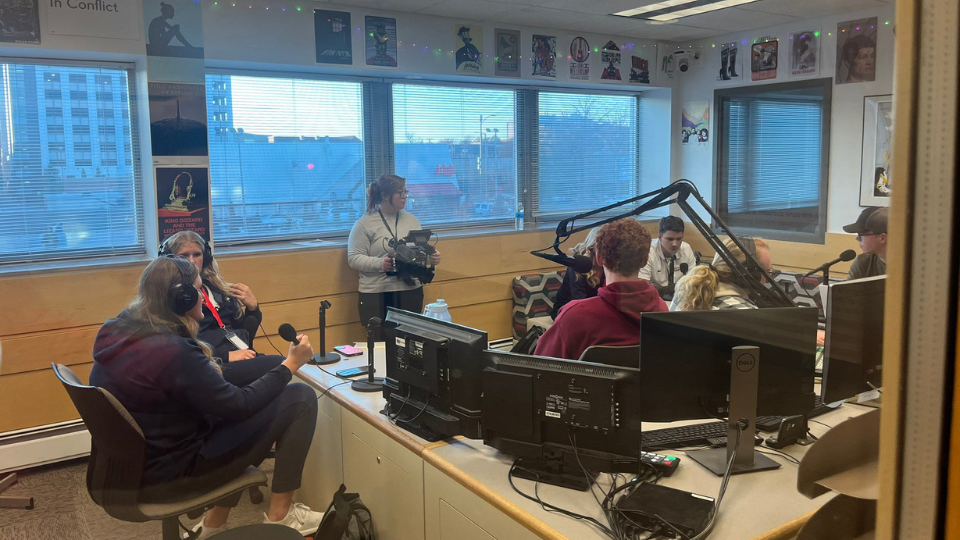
(853,357)
(685,361)
(433,377)
(552,412)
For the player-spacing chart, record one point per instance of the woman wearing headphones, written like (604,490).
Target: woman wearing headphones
(576,285)
(715,286)
(202,426)
(369,253)
(231,313)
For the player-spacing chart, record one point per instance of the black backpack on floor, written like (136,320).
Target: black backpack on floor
(347,518)
(528,343)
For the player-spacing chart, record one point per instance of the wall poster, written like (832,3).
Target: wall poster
(639,70)
(332,37)
(856,51)
(469,47)
(183,201)
(610,56)
(695,125)
(507,59)
(544,56)
(729,56)
(178,119)
(805,52)
(876,183)
(580,54)
(20,21)
(381,41)
(763,59)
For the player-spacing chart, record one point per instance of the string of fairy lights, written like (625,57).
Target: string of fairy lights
(440,50)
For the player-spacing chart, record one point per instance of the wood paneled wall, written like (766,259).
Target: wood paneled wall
(54,317)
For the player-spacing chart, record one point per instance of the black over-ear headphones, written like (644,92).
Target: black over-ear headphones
(164,251)
(182,296)
(750,249)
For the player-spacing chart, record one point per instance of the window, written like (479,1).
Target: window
(52,206)
(288,162)
(588,152)
(773,146)
(456,147)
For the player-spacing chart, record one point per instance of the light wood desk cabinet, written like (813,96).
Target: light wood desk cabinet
(388,476)
(323,471)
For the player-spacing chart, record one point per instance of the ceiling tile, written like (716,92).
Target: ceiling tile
(539,17)
(736,19)
(391,5)
(473,9)
(808,9)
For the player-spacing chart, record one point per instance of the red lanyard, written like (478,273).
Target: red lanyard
(209,304)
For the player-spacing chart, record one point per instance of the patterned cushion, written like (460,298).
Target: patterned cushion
(804,291)
(533,296)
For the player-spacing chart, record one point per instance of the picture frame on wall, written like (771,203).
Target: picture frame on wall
(876,183)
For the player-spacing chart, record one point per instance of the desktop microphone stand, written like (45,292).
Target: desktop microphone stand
(323,357)
(371,384)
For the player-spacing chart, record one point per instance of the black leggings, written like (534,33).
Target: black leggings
(376,304)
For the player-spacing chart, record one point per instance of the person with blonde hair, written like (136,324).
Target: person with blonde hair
(715,285)
(203,425)
(231,313)
(369,253)
(575,285)
(611,318)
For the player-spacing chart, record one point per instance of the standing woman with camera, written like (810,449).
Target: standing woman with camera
(369,253)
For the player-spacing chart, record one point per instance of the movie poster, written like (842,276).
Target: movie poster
(183,201)
(639,70)
(857,51)
(332,36)
(174,28)
(178,119)
(763,59)
(610,58)
(695,125)
(580,54)
(805,52)
(876,181)
(544,56)
(20,21)
(729,58)
(507,59)
(381,41)
(469,47)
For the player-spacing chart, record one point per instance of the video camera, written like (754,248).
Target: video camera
(411,257)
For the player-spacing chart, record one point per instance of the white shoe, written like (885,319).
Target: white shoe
(207,532)
(300,517)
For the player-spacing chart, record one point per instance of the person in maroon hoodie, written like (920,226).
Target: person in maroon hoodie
(611,318)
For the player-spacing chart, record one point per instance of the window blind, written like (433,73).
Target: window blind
(457,148)
(588,152)
(70,181)
(286,157)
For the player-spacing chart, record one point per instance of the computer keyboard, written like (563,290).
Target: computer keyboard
(772,423)
(681,436)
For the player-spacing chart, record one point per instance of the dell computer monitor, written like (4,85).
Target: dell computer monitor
(550,412)
(432,385)
(853,355)
(685,359)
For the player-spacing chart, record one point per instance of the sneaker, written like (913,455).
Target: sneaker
(300,517)
(207,532)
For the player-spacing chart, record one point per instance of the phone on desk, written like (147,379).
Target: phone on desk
(352,372)
(348,350)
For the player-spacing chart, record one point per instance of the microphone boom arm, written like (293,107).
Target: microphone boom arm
(678,192)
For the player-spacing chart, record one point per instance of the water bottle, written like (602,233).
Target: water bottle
(519,220)
(437,310)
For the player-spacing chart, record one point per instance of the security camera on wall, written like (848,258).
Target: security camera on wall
(682,60)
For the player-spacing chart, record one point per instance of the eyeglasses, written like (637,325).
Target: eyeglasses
(404,194)
(861,236)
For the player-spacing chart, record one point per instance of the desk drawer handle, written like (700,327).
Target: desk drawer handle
(378,459)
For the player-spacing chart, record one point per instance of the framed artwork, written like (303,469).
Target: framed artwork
(876,184)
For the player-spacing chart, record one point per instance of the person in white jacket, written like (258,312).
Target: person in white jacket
(667,255)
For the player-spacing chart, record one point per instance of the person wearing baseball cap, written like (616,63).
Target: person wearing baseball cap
(871,231)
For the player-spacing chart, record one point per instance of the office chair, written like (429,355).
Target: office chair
(116,463)
(621,355)
(13,501)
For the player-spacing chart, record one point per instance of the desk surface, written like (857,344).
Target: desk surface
(754,503)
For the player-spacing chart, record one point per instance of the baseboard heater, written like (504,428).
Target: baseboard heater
(42,445)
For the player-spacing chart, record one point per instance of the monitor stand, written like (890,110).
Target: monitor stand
(553,472)
(744,379)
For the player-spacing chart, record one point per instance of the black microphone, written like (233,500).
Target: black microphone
(846,256)
(683,268)
(579,263)
(289,333)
